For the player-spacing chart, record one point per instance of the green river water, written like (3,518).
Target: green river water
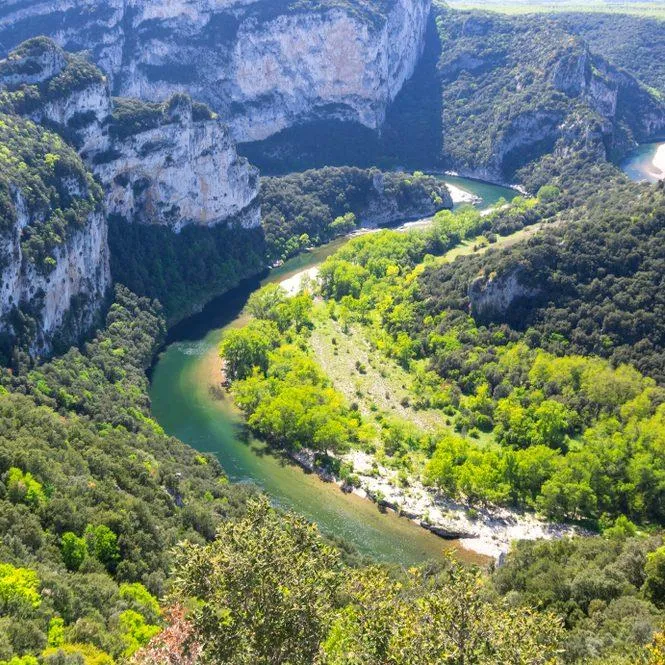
(639,164)
(187,407)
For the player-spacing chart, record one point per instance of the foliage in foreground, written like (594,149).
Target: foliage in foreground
(269,590)
(92,497)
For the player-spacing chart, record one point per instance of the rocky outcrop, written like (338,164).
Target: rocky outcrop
(393,198)
(183,170)
(262,64)
(172,164)
(64,301)
(494,295)
(54,258)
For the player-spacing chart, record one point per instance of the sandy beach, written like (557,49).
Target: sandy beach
(460,195)
(294,284)
(658,162)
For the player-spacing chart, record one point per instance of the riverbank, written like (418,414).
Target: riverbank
(658,162)
(187,402)
(485,530)
(312,484)
(646,163)
(461,196)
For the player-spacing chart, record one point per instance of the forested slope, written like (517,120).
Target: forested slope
(93,495)
(592,285)
(316,205)
(526,420)
(518,87)
(640,50)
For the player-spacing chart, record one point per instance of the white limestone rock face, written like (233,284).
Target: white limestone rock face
(81,274)
(263,64)
(181,168)
(183,171)
(494,295)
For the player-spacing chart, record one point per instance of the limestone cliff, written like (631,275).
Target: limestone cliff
(54,261)
(262,64)
(182,169)
(172,163)
(494,295)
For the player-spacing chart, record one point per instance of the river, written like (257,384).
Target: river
(647,162)
(187,406)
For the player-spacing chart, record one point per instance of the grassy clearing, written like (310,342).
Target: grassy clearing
(648,9)
(382,389)
(480,245)
(377,384)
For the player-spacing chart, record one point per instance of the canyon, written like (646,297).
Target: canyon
(263,65)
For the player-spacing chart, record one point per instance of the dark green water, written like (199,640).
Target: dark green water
(639,165)
(185,406)
(488,193)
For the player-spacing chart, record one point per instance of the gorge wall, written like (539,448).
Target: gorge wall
(54,256)
(263,65)
(171,163)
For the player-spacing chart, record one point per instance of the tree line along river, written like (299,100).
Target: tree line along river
(187,405)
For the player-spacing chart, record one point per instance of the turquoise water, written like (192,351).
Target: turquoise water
(186,405)
(639,166)
(488,193)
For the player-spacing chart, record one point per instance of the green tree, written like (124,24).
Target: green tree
(19,589)
(56,632)
(141,600)
(134,631)
(654,583)
(74,550)
(568,493)
(24,488)
(263,590)
(248,347)
(263,302)
(103,544)
(551,423)
(447,620)
(343,224)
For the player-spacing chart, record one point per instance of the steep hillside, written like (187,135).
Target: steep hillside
(263,64)
(592,285)
(183,206)
(515,88)
(640,49)
(53,249)
(94,495)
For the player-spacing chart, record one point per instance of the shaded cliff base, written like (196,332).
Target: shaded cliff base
(410,136)
(185,270)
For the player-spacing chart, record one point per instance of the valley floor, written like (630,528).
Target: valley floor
(381,389)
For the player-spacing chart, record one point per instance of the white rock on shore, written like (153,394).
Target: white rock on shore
(658,162)
(460,195)
(488,531)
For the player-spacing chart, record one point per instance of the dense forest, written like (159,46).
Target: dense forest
(185,270)
(641,49)
(526,78)
(593,282)
(309,208)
